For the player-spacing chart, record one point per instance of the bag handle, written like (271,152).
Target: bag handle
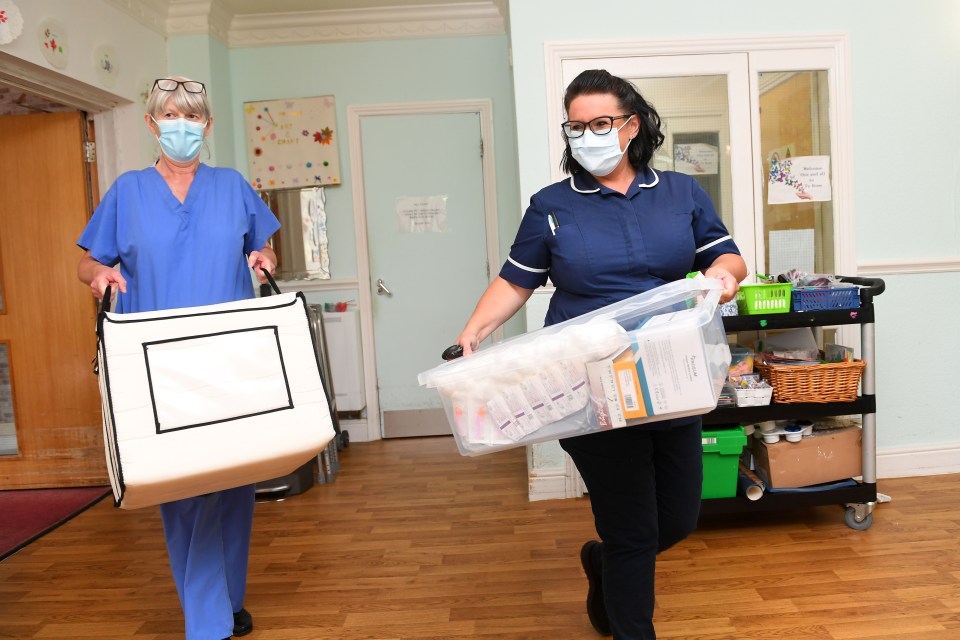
(105,301)
(271,282)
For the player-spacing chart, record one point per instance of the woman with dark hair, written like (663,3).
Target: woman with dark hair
(613,229)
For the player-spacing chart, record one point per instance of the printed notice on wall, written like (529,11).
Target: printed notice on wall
(422,214)
(800,179)
(696,159)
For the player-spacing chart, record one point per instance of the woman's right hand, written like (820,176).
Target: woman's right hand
(469,341)
(106,276)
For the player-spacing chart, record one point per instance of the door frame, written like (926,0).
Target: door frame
(114,116)
(355,114)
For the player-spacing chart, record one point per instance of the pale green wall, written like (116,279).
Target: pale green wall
(365,73)
(906,133)
(370,73)
(208,60)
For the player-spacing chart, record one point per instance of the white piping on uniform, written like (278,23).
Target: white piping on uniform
(573,185)
(530,269)
(715,242)
(655,182)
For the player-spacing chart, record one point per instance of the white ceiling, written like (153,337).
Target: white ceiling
(13,101)
(246,7)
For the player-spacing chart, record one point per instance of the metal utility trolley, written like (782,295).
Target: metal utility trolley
(859,499)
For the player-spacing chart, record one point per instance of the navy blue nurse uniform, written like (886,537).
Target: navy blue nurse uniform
(599,246)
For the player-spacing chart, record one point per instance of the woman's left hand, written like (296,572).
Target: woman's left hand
(260,260)
(729,281)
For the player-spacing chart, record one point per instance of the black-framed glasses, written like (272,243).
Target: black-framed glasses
(601,125)
(168,84)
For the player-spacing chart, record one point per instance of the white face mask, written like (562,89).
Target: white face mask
(599,154)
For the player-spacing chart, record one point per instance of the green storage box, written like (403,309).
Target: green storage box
(721,459)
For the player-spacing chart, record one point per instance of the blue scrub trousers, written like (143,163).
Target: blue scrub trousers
(208,541)
(645,484)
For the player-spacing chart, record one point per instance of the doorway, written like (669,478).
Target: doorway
(424,201)
(48,316)
(47,324)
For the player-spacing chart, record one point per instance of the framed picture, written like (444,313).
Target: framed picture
(292,143)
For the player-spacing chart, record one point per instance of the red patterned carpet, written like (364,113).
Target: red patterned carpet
(27,514)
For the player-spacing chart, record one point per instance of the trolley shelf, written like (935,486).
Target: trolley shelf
(860,315)
(782,411)
(771,501)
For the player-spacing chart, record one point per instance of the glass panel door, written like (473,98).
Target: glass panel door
(703,101)
(802,150)
(795,152)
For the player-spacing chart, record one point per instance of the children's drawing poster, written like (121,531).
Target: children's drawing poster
(799,179)
(292,143)
(696,159)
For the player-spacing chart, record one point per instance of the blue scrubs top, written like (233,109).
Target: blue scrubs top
(607,246)
(175,254)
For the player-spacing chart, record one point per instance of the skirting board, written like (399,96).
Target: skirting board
(412,423)
(929,461)
(892,463)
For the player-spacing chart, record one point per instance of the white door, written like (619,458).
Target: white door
(426,233)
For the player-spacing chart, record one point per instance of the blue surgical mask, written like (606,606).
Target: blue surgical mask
(180,139)
(598,154)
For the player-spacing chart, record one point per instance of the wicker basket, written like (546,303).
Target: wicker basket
(832,382)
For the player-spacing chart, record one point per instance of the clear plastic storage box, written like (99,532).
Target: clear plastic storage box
(659,355)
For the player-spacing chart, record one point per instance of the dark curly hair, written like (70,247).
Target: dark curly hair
(648,139)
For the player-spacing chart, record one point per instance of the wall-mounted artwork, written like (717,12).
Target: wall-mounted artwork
(52,38)
(11,21)
(292,143)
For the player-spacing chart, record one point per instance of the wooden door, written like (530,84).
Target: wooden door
(48,316)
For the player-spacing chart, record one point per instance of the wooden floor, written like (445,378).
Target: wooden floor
(414,541)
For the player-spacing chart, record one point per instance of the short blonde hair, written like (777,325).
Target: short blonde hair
(182,99)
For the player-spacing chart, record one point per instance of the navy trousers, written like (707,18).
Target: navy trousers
(645,484)
(208,541)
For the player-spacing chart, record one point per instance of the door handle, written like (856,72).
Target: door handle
(382,288)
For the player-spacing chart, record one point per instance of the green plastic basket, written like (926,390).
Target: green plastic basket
(757,299)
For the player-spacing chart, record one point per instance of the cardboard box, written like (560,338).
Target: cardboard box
(668,370)
(824,456)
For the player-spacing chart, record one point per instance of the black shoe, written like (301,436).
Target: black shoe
(596,609)
(242,623)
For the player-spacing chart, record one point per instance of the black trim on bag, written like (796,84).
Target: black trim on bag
(117,320)
(115,445)
(283,368)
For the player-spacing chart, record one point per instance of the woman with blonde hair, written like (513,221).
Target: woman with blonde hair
(182,234)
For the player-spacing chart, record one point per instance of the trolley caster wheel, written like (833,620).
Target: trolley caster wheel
(345,439)
(850,517)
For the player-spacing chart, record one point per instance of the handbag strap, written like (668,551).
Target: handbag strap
(271,281)
(105,301)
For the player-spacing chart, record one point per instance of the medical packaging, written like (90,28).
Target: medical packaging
(655,356)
